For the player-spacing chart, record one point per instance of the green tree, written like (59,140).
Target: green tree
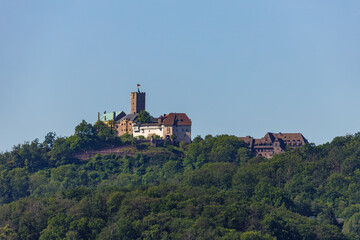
(7,233)
(225,149)
(353,224)
(243,155)
(279,227)
(57,227)
(105,131)
(49,139)
(122,229)
(255,235)
(84,129)
(14,184)
(143,116)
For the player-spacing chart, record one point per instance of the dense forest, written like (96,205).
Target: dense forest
(209,189)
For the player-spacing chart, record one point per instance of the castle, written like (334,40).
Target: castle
(273,143)
(177,127)
(172,126)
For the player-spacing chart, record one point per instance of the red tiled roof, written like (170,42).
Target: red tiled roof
(246,139)
(291,136)
(280,140)
(179,119)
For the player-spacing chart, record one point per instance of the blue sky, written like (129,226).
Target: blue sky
(235,67)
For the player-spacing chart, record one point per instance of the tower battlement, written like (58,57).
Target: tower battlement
(137,102)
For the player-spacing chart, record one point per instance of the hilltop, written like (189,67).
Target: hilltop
(211,188)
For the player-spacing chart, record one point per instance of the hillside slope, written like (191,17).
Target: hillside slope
(209,189)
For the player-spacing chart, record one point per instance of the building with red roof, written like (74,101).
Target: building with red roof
(172,126)
(273,143)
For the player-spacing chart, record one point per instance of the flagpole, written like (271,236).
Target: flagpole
(138,85)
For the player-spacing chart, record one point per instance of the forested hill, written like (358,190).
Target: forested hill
(209,189)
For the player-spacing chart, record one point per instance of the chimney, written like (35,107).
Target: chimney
(114,116)
(98,116)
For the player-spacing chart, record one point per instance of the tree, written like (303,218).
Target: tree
(7,233)
(84,129)
(49,139)
(243,155)
(225,149)
(14,184)
(280,227)
(105,131)
(57,227)
(122,229)
(254,235)
(143,116)
(112,124)
(352,225)
(19,183)
(84,138)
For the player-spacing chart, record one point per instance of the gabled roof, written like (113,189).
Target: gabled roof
(153,120)
(129,117)
(110,116)
(291,137)
(176,119)
(246,139)
(270,138)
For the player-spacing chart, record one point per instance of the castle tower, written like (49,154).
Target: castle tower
(137,102)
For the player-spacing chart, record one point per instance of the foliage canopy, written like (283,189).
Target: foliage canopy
(209,189)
